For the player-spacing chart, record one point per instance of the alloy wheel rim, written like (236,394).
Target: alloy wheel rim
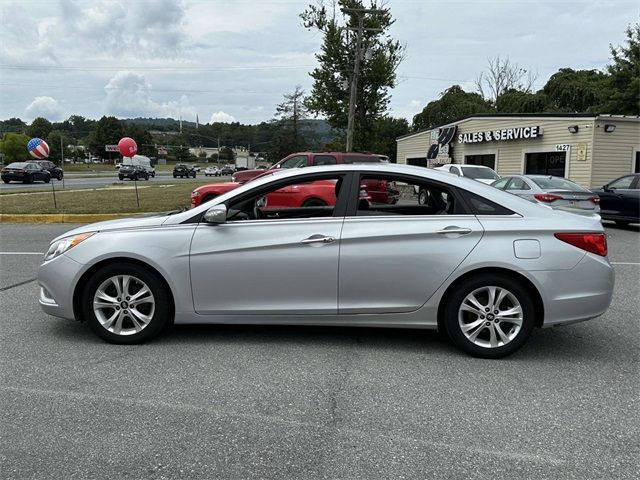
(490,317)
(124,305)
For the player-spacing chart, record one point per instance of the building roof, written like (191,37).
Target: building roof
(524,115)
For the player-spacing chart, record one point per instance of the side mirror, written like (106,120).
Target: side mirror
(216,214)
(606,188)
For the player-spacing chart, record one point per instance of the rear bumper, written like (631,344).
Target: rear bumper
(15,177)
(581,293)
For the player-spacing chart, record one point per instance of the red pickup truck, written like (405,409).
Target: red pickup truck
(377,191)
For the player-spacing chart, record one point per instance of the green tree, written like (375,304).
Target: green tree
(292,134)
(226,154)
(624,81)
(142,137)
(332,78)
(108,131)
(386,130)
(54,139)
(14,125)
(40,127)
(570,90)
(517,101)
(453,104)
(14,147)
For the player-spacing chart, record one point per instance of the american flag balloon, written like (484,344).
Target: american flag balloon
(38,148)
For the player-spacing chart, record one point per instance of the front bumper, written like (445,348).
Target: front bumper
(57,279)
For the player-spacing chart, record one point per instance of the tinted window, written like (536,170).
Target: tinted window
(482,206)
(624,182)
(478,172)
(294,162)
(398,195)
(518,184)
(500,184)
(324,160)
(556,183)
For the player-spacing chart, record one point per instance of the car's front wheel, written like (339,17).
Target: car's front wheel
(489,315)
(423,197)
(126,303)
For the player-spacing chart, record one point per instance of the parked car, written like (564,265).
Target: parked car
(454,265)
(476,172)
(150,170)
(620,200)
(212,172)
(309,159)
(195,167)
(378,192)
(181,170)
(133,172)
(25,172)
(556,192)
(55,171)
(226,171)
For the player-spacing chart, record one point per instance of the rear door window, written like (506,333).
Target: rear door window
(324,160)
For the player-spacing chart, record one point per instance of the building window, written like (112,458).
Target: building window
(488,160)
(637,165)
(545,163)
(418,162)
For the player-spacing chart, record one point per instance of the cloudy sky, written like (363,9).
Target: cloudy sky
(227,60)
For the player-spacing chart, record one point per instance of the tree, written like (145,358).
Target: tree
(516,101)
(292,134)
(624,81)
(332,78)
(503,75)
(14,125)
(40,127)
(14,147)
(386,130)
(108,131)
(142,137)
(570,90)
(453,104)
(54,139)
(226,154)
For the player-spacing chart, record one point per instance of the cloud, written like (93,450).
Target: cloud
(222,117)
(46,107)
(129,95)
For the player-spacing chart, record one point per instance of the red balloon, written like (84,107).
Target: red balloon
(127,147)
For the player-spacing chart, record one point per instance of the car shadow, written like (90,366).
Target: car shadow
(632,227)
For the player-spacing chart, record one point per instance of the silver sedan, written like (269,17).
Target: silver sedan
(556,192)
(483,265)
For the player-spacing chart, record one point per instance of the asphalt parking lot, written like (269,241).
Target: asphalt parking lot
(303,403)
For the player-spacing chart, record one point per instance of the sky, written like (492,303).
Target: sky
(226,60)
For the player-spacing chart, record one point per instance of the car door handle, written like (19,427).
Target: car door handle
(453,229)
(318,239)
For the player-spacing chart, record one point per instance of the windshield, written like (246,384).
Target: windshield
(557,183)
(479,173)
(294,162)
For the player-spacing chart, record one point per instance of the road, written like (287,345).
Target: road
(78,181)
(309,403)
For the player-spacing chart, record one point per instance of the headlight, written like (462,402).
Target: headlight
(61,246)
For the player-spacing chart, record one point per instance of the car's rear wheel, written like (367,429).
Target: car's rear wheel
(126,303)
(423,197)
(6,180)
(314,202)
(489,315)
(120,177)
(60,175)
(47,179)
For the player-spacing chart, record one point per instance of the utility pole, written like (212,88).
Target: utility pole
(353,94)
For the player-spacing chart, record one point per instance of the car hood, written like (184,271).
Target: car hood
(143,221)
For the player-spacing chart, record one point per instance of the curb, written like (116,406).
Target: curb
(62,217)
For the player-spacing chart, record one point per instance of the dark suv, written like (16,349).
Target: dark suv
(55,171)
(133,172)
(181,170)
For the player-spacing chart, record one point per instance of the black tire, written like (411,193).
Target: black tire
(423,197)
(622,223)
(47,179)
(162,313)
(455,299)
(314,202)
(120,177)
(6,180)
(60,175)
(175,176)
(28,179)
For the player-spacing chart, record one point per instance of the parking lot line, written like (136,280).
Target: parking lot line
(20,253)
(625,263)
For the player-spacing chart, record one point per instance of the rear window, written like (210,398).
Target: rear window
(557,183)
(479,173)
(17,165)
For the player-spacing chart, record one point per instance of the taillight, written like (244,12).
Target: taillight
(591,242)
(546,197)
(595,199)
